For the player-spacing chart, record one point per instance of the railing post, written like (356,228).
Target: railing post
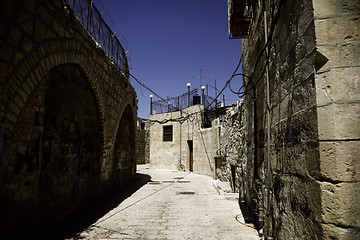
(203,95)
(151,104)
(188,85)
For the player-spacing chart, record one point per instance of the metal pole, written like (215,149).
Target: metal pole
(203,95)
(151,106)
(268,116)
(215,95)
(188,85)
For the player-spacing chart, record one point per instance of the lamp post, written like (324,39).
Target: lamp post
(188,86)
(203,94)
(151,97)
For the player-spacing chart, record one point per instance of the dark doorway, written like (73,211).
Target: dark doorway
(233,177)
(191,159)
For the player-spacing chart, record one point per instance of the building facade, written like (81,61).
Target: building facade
(178,141)
(302,118)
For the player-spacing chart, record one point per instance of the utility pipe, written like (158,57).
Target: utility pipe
(180,167)
(218,152)
(268,114)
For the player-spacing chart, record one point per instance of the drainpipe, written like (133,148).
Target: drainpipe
(180,141)
(218,147)
(268,117)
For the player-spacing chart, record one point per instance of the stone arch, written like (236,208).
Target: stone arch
(54,154)
(124,160)
(72,144)
(32,69)
(37,188)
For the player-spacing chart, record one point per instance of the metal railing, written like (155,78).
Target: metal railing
(209,102)
(174,103)
(90,17)
(183,101)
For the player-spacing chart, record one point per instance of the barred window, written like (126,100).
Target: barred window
(168,133)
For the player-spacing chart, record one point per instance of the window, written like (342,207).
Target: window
(168,133)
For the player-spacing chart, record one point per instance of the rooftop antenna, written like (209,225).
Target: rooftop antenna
(201,75)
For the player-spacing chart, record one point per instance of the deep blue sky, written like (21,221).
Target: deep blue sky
(169,42)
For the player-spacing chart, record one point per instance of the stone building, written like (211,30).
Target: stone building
(178,141)
(302,115)
(143,141)
(67,112)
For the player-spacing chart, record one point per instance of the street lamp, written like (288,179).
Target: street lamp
(203,94)
(151,97)
(188,85)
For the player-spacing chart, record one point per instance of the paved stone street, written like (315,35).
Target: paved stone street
(173,205)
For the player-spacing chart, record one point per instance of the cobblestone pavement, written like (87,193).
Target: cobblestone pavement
(173,205)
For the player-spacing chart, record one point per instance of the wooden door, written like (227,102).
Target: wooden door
(191,160)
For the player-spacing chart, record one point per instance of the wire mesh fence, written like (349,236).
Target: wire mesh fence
(209,102)
(174,103)
(90,17)
(182,101)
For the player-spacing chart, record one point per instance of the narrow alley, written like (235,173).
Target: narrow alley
(173,205)
(228,119)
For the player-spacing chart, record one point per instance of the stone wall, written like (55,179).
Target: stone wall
(337,83)
(311,190)
(286,200)
(143,141)
(67,116)
(232,147)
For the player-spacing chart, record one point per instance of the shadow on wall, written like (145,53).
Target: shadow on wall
(86,215)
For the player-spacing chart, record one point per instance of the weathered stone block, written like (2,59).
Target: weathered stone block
(338,85)
(348,55)
(351,6)
(334,232)
(337,30)
(340,203)
(332,53)
(25,20)
(339,121)
(326,8)
(339,161)
(15,36)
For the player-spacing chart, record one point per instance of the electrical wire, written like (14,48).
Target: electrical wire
(143,85)
(240,93)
